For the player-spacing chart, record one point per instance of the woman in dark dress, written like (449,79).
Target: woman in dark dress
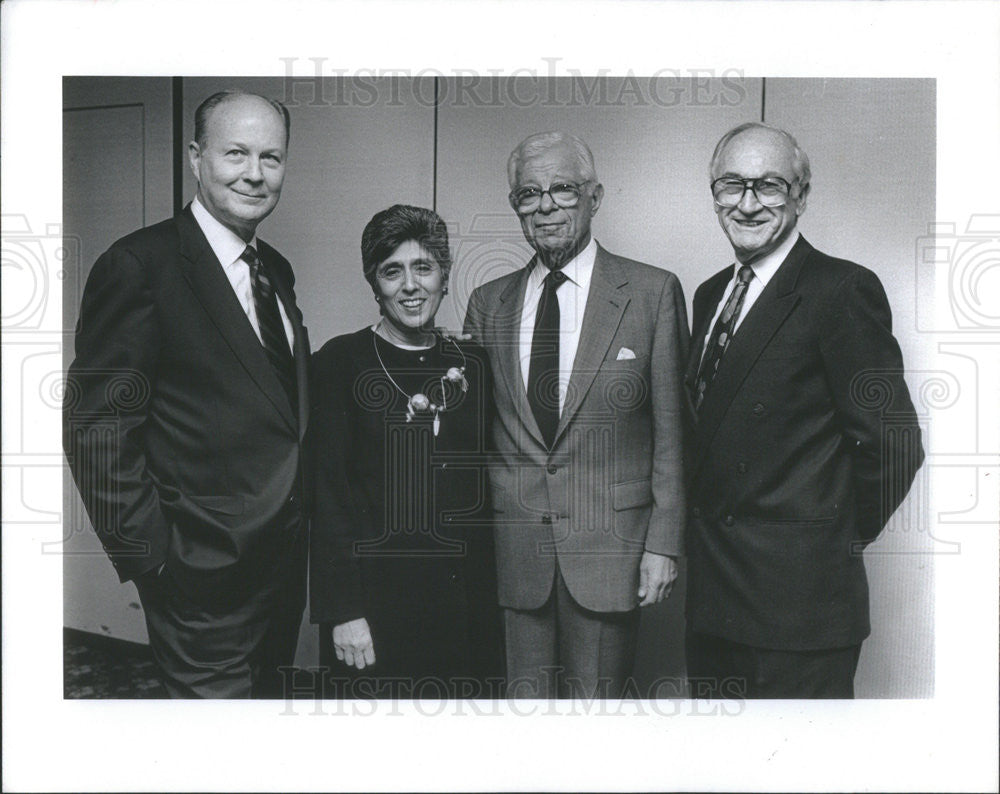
(402,576)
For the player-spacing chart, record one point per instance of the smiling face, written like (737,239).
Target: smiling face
(557,233)
(753,229)
(240,165)
(409,284)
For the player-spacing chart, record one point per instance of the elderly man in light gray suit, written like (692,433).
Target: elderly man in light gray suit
(588,353)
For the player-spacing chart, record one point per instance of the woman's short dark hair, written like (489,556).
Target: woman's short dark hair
(389,229)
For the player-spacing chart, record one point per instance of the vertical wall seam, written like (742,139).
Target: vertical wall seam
(177,134)
(434,165)
(144,107)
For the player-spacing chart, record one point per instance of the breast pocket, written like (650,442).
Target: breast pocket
(624,384)
(631,358)
(783,350)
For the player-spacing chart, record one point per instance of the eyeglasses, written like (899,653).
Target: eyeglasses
(771,191)
(526,200)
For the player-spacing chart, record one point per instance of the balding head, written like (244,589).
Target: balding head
(764,170)
(204,111)
(764,133)
(239,159)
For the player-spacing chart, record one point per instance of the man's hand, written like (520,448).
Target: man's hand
(353,643)
(657,573)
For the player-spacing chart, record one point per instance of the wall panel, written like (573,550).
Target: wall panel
(117,178)
(872,147)
(359,146)
(652,140)
(356,148)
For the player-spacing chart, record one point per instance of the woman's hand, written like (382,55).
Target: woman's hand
(353,643)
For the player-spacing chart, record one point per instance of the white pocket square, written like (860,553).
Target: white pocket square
(625,354)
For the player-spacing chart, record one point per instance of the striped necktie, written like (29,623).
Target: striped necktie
(272,330)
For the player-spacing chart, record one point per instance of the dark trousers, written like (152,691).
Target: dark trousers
(231,651)
(563,650)
(719,668)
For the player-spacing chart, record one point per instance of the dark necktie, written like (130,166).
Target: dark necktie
(272,330)
(543,371)
(722,334)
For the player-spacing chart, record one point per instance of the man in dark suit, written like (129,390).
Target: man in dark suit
(588,353)
(185,412)
(793,467)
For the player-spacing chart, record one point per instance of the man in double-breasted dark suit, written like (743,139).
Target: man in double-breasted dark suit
(793,466)
(185,412)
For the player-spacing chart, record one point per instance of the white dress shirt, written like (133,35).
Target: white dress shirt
(763,270)
(228,248)
(572,296)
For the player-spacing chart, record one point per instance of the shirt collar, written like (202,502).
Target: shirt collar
(226,244)
(765,267)
(579,269)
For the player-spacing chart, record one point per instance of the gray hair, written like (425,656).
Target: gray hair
(800,161)
(540,142)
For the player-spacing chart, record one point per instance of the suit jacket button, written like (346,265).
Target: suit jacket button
(552,469)
(741,468)
(696,512)
(546,519)
(729,521)
(758,409)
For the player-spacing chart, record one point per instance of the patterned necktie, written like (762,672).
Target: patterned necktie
(543,371)
(722,334)
(272,330)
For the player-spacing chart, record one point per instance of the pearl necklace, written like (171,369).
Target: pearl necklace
(419,403)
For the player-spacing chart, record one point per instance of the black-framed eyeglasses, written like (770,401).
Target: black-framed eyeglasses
(771,191)
(563,194)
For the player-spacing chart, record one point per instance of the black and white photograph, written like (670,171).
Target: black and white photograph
(386,411)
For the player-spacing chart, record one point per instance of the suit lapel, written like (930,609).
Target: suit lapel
(300,344)
(605,306)
(762,321)
(507,332)
(204,273)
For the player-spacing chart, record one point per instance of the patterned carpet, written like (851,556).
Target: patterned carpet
(99,667)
